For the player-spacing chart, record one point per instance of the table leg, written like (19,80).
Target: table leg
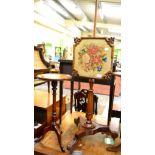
(89,127)
(71,97)
(61,100)
(55,126)
(116,148)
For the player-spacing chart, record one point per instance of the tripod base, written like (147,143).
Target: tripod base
(91,129)
(55,128)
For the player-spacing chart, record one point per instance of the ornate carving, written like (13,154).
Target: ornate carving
(110,40)
(77,40)
(75,73)
(81,101)
(107,76)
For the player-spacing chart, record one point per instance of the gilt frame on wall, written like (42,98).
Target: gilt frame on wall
(93,57)
(58,52)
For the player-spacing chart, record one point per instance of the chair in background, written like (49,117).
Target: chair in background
(116,112)
(53,64)
(40,66)
(81,101)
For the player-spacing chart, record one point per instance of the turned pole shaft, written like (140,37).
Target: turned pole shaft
(95,18)
(54,87)
(89,113)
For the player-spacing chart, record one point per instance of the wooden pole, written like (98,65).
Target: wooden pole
(96,5)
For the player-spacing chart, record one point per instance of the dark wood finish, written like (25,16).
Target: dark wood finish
(88,127)
(81,101)
(41,53)
(39,131)
(116,112)
(61,92)
(49,146)
(116,148)
(66,67)
(43,110)
(43,106)
(54,78)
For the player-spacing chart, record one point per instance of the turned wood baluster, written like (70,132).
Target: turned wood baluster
(89,112)
(54,88)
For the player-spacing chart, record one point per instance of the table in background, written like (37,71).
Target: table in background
(54,78)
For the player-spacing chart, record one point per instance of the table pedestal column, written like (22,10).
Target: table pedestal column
(88,127)
(54,126)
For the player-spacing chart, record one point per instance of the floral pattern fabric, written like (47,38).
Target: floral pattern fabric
(92,57)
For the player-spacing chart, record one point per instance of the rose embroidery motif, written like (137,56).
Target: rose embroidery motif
(92,58)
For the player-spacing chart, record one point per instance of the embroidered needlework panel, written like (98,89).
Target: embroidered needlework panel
(92,58)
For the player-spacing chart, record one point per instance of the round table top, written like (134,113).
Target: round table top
(54,77)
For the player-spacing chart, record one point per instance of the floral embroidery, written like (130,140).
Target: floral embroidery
(92,57)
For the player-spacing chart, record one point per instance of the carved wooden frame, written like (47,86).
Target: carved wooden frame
(93,57)
(40,50)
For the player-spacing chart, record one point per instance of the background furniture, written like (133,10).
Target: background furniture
(116,112)
(40,66)
(43,110)
(54,78)
(43,104)
(81,101)
(80,83)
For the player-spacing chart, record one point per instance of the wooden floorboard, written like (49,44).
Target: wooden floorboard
(90,145)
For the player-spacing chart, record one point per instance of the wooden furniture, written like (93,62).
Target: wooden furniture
(40,66)
(38,131)
(43,104)
(92,61)
(91,145)
(116,112)
(81,101)
(43,109)
(53,64)
(54,78)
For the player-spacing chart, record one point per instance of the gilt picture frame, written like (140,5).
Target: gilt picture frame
(57,53)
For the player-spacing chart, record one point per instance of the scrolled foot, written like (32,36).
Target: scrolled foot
(76,121)
(62,149)
(114,135)
(114,148)
(71,145)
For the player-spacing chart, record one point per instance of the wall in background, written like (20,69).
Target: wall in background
(43,33)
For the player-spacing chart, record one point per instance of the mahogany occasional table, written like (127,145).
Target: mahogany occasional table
(54,78)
